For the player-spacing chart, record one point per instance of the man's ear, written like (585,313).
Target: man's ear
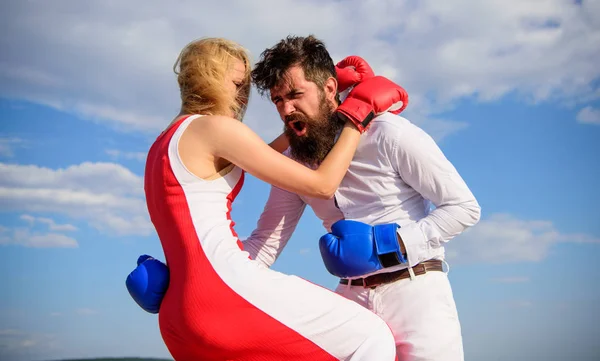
(331,87)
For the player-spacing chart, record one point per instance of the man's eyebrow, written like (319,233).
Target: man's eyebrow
(289,94)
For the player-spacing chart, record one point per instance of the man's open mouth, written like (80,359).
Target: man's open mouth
(298,126)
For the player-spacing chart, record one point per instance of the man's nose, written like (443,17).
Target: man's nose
(288,108)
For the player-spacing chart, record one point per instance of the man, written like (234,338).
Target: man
(395,170)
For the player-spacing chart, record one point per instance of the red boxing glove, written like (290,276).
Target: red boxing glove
(352,70)
(370,98)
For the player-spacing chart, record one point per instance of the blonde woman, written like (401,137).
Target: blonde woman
(221,305)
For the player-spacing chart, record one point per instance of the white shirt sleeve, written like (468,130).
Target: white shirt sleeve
(275,226)
(422,165)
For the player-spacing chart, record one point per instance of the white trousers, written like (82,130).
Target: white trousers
(421,313)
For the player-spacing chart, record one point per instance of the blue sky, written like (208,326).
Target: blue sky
(510,92)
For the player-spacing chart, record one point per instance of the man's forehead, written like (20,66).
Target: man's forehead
(284,86)
(292,79)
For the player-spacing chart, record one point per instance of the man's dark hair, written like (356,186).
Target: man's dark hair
(308,52)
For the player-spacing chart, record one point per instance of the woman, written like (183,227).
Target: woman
(220,305)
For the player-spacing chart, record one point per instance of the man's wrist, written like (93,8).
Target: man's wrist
(402,247)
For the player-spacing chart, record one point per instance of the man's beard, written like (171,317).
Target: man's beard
(312,147)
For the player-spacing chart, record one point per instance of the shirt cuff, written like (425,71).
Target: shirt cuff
(414,242)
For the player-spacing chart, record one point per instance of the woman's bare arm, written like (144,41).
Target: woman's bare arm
(236,142)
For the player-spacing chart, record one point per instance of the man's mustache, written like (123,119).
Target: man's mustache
(293,117)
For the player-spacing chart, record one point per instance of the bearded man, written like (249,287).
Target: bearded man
(383,243)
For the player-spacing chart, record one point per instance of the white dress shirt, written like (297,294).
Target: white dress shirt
(396,171)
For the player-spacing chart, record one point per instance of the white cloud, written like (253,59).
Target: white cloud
(589,115)
(9,332)
(94,178)
(8,145)
(24,237)
(49,222)
(304,251)
(48,240)
(106,63)
(437,128)
(116,154)
(85,311)
(27,237)
(20,345)
(504,239)
(107,196)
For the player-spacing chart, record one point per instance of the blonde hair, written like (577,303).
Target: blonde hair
(201,68)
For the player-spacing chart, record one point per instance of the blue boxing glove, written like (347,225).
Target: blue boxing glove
(148,282)
(354,248)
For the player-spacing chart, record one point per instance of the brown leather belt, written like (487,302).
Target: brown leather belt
(383,278)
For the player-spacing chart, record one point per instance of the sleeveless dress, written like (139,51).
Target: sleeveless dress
(220,304)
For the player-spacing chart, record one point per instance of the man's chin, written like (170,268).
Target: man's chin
(307,150)
(308,160)
(298,139)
